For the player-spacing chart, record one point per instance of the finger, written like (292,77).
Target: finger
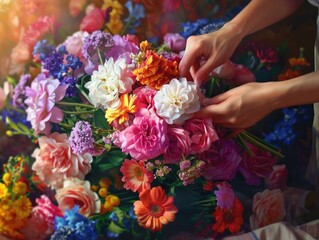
(188,60)
(216,99)
(204,71)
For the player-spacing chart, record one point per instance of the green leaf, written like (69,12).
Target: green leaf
(100,120)
(116,228)
(114,158)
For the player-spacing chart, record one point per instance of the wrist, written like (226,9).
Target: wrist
(235,29)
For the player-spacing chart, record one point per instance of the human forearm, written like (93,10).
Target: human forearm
(259,14)
(297,91)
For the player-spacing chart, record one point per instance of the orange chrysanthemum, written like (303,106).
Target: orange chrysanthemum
(135,175)
(231,219)
(155,70)
(122,112)
(298,62)
(155,209)
(289,74)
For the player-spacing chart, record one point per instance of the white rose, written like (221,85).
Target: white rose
(177,101)
(108,82)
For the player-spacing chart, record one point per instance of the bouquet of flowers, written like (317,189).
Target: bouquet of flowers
(118,149)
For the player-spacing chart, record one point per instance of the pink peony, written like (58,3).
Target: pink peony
(175,41)
(42,216)
(278,178)
(256,166)
(268,208)
(225,71)
(41,98)
(78,192)
(146,138)
(179,144)
(74,44)
(145,97)
(222,160)
(202,134)
(54,160)
(94,20)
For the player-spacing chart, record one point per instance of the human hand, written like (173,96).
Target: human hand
(206,52)
(240,107)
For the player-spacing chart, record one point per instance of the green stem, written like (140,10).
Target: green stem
(76,105)
(100,56)
(258,142)
(79,112)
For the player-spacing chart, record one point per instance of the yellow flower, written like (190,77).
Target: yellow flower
(105,182)
(113,200)
(3,191)
(6,178)
(122,112)
(20,188)
(23,207)
(103,192)
(115,24)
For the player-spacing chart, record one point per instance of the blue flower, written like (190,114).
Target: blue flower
(137,12)
(43,49)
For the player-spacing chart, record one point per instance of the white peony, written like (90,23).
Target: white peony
(177,101)
(108,82)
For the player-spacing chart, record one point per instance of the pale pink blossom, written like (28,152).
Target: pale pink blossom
(74,43)
(179,144)
(41,98)
(145,97)
(278,177)
(76,6)
(21,53)
(55,161)
(202,134)
(222,160)
(78,192)
(42,216)
(146,138)
(175,41)
(268,208)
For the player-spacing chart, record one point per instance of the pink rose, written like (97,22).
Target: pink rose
(145,97)
(277,178)
(55,161)
(268,208)
(78,192)
(256,166)
(75,7)
(41,98)
(179,144)
(222,160)
(74,43)
(42,216)
(175,41)
(202,134)
(236,74)
(93,21)
(146,138)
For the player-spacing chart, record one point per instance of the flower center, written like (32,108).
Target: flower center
(156,210)
(138,173)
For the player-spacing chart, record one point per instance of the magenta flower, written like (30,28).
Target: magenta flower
(222,160)
(41,98)
(225,195)
(256,166)
(179,144)
(146,138)
(202,134)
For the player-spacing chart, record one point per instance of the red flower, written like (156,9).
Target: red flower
(229,218)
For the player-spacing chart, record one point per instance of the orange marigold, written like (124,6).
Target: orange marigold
(155,70)
(298,62)
(155,208)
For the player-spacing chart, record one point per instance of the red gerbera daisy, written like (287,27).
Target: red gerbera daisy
(229,218)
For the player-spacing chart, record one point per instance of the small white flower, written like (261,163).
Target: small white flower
(108,82)
(177,101)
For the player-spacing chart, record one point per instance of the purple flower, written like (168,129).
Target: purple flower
(81,139)
(41,98)
(146,138)
(222,160)
(175,41)
(54,64)
(19,91)
(97,43)
(225,196)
